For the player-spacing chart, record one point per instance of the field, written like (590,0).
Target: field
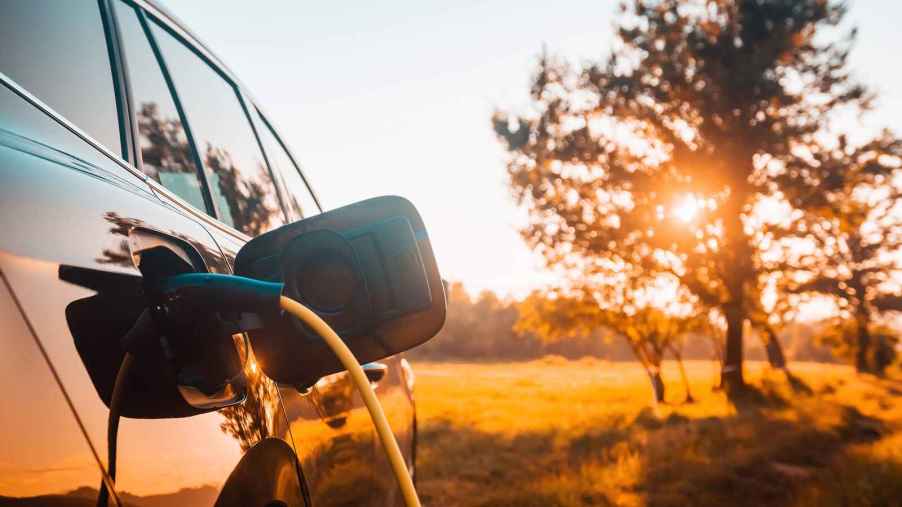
(572,433)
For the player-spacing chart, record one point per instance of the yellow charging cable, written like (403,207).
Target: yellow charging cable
(350,363)
(112,427)
(344,354)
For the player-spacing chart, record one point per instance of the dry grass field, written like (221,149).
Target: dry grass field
(572,433)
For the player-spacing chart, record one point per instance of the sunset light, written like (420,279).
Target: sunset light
(687,209)
(644,253)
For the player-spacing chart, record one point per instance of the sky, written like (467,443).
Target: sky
(381,98)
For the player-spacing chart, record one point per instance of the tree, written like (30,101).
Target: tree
(638,309)
(697,323)
(479,328)
(845,246)
(766,323)
(700,107)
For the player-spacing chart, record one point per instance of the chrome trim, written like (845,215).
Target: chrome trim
(49,111)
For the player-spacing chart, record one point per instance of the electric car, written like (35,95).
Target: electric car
(123,139)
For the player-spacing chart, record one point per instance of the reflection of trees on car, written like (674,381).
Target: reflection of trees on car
(245,198)
(164,146)
(252,421)
(243,195)
(121,255)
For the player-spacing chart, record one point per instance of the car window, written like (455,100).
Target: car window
(240,182)
(167,156)
(58,52)
(300,201)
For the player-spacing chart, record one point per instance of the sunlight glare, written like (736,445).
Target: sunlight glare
(686,210)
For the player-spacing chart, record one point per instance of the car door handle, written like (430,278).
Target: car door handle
(375,371)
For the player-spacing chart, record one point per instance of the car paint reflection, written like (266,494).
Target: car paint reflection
(44,458)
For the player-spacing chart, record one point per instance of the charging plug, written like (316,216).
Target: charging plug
(218,293)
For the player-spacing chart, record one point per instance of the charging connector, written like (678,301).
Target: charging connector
(250,303)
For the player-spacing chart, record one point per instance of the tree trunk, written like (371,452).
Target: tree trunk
(863,353)
(731,373)
(739,273)
(689,398)
(775,356)
(717,343)
(657,383)
(884,355)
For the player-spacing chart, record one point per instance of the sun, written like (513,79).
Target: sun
(686,209)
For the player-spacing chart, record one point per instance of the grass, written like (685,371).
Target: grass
(573,433)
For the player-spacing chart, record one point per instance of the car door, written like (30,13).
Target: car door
(76,217)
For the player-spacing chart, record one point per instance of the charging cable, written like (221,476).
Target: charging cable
(137,336)
(344,354)
(234,292)
(112,432)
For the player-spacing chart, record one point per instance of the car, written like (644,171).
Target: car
(124,139)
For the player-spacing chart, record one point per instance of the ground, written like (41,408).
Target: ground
(570,433)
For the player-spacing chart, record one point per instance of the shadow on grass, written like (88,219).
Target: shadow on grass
(459,465)
(753,400)
(796,383)
(747,460)
(760,456)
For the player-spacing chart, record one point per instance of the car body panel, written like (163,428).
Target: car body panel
(60,209)
(44,458)
(67,204)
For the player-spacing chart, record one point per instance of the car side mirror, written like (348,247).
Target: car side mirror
(367,269)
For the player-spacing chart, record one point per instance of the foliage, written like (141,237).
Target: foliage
(485,328)
(650,330)
(844,244)
(701,102)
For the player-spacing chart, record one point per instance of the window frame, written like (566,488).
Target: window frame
(120,79)
(111,42)
(128,158)
(138,160)
(151,13)
(267,124)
